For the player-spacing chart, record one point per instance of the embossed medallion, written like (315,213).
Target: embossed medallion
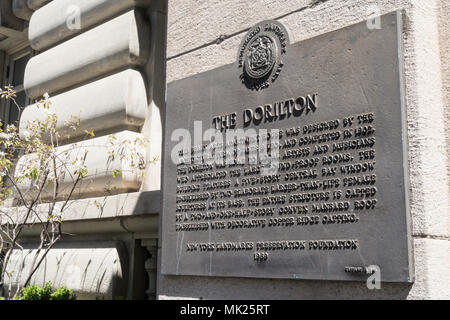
(260,54)
(260,57)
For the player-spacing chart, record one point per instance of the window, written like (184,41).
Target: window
(14,74)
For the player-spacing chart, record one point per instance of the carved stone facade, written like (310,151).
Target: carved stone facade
(101,61)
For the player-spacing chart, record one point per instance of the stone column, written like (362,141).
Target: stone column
(151,266)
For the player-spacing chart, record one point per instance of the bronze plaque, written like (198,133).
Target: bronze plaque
(291,162)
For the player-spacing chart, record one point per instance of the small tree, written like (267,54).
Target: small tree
(34,171)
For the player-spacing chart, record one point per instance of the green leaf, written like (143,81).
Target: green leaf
(116,172)
(89,133)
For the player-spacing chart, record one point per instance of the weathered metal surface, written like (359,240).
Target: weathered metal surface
(337,207)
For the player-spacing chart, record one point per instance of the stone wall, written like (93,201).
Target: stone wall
(203,35)
(101,61)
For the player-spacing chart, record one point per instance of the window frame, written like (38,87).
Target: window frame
(8,76)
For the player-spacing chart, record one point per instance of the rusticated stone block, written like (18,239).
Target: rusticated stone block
(120,43)
(70,18)
(102,159)
(113,102)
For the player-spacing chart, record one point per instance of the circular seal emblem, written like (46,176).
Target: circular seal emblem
(260,54)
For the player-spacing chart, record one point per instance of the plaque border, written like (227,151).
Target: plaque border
(405,164)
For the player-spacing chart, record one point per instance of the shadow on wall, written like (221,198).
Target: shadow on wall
(94,270)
